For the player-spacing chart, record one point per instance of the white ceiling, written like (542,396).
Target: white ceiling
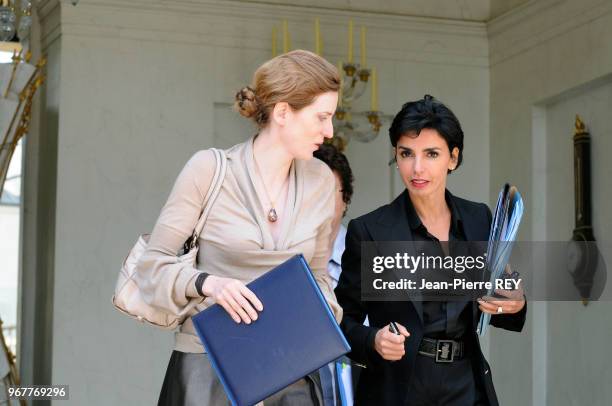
(466,10)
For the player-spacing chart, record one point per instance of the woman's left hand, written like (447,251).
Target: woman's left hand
(513,304)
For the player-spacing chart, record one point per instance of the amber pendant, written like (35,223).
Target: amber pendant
(272,216)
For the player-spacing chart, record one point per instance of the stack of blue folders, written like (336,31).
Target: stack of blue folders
(504,227)
(294,335)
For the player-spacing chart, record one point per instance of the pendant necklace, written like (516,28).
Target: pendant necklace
(272,215)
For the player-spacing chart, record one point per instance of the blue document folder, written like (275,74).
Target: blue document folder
(294,335)
(504,228)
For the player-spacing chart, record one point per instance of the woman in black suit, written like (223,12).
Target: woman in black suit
(403,369)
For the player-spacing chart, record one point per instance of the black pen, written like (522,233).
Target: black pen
(393,328)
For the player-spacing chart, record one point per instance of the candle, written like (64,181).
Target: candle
(350,42)
(285,37)
(317,37)
(274,51)
(363,47)
(374,99)
(341,73)
(288,41)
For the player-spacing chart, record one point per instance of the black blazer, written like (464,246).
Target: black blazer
(384,382)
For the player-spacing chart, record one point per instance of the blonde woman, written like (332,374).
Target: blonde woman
(275,201)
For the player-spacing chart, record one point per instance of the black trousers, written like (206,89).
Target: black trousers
(449,384)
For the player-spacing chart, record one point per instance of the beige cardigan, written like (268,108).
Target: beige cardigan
(236,241)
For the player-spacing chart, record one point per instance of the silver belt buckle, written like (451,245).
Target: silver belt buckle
(445,351)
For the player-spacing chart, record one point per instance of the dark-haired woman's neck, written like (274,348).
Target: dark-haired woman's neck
(432,207)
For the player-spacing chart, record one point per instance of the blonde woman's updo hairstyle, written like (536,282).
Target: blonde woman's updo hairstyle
(296,78)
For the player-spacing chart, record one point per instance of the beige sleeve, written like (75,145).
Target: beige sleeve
(320,259)
(164,281)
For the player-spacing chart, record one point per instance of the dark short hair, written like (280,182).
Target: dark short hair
(337,161)
(428,113)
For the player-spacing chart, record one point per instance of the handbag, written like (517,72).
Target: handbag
(128,298)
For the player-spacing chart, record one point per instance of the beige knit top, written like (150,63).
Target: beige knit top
(236,241)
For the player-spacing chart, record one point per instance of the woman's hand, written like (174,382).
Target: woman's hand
(513,302)
(389,345)
(238,300)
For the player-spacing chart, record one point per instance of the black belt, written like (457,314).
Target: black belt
(442,350)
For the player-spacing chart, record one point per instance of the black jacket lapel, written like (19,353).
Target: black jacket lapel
(392,225)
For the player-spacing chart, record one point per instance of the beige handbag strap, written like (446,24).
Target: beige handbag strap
(211,195)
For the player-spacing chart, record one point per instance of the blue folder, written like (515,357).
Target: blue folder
(504,228)
(294,335)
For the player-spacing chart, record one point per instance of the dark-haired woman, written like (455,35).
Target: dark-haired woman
(410,368)
(275,201)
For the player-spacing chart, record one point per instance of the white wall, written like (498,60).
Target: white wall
(38,212)
(141,88)
(549,61)
(586,329)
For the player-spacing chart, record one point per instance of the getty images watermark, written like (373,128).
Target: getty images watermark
(420,263)
(455,270)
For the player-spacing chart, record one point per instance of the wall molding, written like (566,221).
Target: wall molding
(537,22)
(248,25)
(49,16)
(226,8)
